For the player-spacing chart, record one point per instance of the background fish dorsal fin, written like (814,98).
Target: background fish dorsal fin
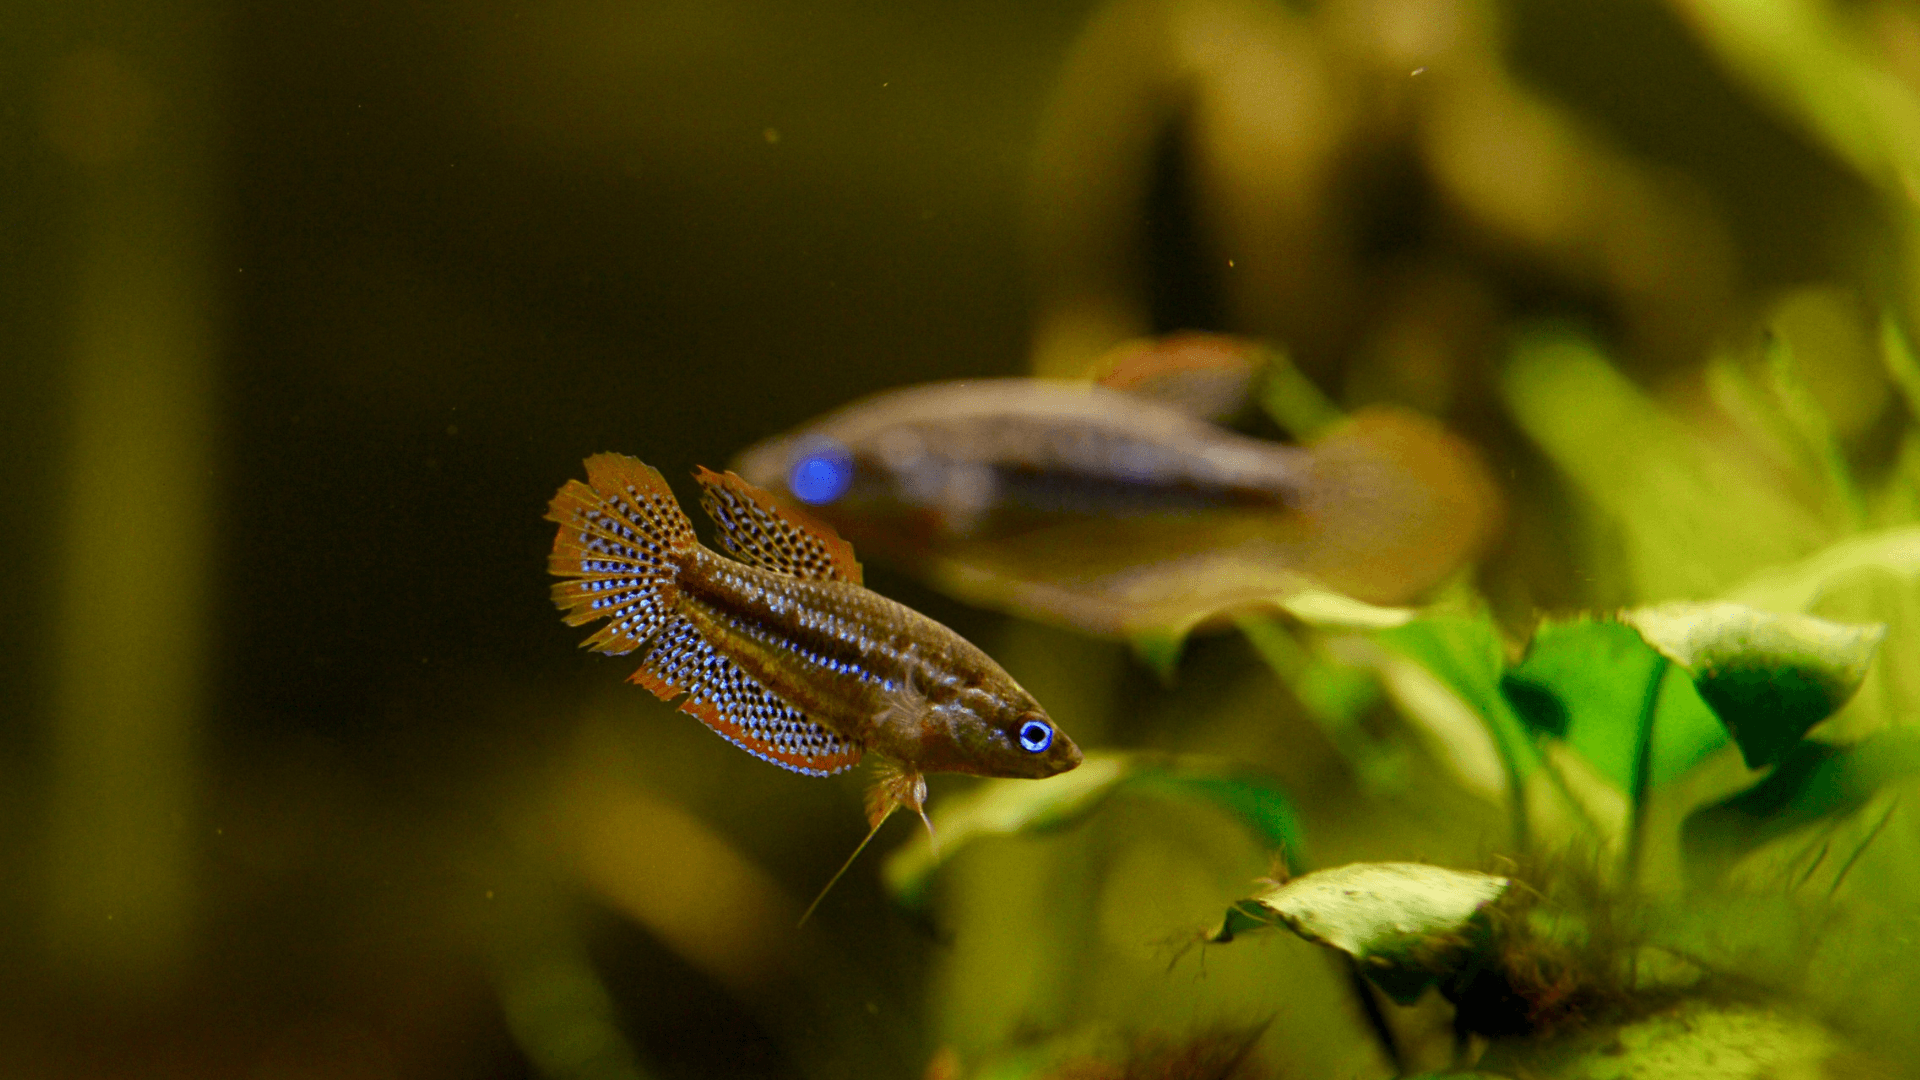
(723,696)
(757,528)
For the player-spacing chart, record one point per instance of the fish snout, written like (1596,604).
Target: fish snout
(1071,757)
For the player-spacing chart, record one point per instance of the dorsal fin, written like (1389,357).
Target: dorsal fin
(738,706)
(757,528)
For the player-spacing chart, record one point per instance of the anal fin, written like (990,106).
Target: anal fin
(721,695)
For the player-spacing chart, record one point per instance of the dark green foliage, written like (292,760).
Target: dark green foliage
(1813,781)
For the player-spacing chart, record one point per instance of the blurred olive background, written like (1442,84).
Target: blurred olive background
(308,309)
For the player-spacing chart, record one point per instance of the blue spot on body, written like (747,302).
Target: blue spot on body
(822,471)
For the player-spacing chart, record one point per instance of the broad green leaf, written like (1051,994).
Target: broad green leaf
(1012,807)
(1686,730)
(1768,677)
(1587,681)
(1406,924)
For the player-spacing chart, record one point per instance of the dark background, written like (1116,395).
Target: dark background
(435,254)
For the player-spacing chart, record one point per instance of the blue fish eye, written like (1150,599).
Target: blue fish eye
(822,471)
(1036,736)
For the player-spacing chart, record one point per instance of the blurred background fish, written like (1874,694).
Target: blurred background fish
(1120,511)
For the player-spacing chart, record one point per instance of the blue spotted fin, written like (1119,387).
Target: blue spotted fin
(735,704)
(780,538)
(620,535)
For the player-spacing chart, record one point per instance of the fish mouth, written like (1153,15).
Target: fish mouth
(1073,757)
(1064,756)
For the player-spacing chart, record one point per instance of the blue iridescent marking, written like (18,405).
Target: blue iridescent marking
(1036,736)
(822,471)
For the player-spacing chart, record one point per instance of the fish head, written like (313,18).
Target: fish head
(1004,734)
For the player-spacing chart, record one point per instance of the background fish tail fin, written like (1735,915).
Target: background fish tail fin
(621,540)
(1397,505)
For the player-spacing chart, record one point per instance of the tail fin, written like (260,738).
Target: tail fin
(621,539)
(1399,503)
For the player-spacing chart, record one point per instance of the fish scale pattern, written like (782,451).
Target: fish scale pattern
(735,704)
(757,529)
(619,535)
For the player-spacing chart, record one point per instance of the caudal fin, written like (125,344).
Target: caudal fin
(1398,504)
(621,538)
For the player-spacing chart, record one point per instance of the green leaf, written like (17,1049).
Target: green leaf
(1813,427)
(1466,655)
(1014,807)
(1770,678)
(1326,610)
(1406,924)
(1160,651)
(1335,694)
(1292,400)
(1689,517)
(1699,1039)
(1586,682)
(1686,730)
(1813,781)
(1794,588)
(1896,353)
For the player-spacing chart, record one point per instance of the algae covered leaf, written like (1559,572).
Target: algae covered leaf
(1770,678)
(1407,925)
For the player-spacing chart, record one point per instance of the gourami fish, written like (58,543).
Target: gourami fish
(1115,512)
(781,650)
